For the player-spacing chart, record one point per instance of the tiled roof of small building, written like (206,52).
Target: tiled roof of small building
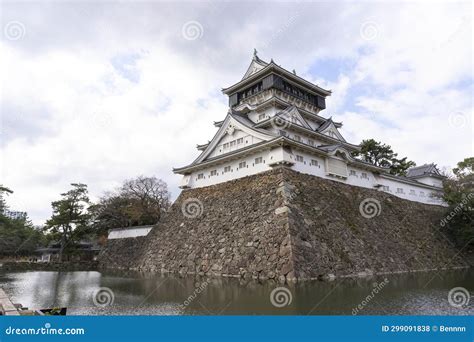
(423,170)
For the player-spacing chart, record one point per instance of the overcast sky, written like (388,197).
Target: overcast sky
(101,92)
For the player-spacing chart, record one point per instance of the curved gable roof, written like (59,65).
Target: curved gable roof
(425,170)
(330,125)
(239,122)
(255,65)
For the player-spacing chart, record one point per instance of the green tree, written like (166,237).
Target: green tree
(110,212)
(459,195)
(70,219)
(382,155)
(4,191)
(18,236)
(465,170)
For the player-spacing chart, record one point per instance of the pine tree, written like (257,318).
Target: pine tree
(70,218)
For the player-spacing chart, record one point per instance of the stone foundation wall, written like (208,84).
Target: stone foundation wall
(228,229)
(340,230)
(286,225)
(122,253)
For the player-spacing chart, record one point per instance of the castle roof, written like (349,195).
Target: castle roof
(255,65)
(259,68)
(300,124)
(426,170)
(327,124)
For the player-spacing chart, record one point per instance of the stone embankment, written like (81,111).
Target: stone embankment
(289,226)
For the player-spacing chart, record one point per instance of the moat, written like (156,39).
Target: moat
(134,294)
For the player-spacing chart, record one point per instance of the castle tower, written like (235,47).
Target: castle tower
(274,119)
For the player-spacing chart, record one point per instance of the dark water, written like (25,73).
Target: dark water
(407,294)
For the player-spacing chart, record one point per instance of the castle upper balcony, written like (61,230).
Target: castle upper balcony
(268,81)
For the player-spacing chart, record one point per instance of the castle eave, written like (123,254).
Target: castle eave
(325,137)
(227,156)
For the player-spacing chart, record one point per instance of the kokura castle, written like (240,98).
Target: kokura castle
(277,194)
(274,119)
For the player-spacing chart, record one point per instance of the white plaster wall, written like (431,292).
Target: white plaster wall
(357,179)
(269,112)
(420,194)
(370,182)
(129,233)
(431,181)
(306,167)
(250,169)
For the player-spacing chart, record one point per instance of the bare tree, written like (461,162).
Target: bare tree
(139,201)
(149,193)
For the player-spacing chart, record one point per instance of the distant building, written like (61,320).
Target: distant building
(274,119)
(15,215)
(84,251)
